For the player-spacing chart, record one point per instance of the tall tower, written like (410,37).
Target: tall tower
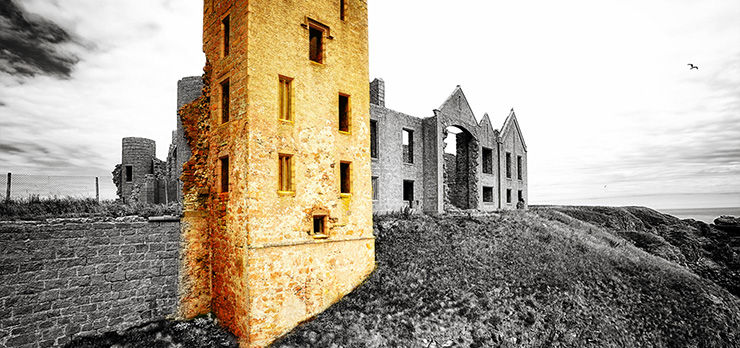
(282,154)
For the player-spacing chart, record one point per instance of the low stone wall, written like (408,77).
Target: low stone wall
(67,278)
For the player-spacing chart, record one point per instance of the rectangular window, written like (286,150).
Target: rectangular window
(519,167)
(373,139)
(342,9)
(316,44)
(408,146)
(375,187)
(319,225)
(487,194)
(286,98)
(225,174)
(226,27)
(344,113)
(129,173)
(344,177)
(520,196)
(508,165)
(286,173)
(487,160)
(408,192)
(508,195)
(225,101)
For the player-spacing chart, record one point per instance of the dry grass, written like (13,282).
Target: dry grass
(36,208)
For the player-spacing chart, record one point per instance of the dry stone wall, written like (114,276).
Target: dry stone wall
(68,278)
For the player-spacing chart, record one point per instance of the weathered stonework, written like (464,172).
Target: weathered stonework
(250,252)
(445,182)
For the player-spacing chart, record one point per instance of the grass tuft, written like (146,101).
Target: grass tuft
(36,208)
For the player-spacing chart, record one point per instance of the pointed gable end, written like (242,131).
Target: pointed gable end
(456,111)
(485,123)
(511,124)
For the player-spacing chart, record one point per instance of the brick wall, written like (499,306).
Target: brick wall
(66,279)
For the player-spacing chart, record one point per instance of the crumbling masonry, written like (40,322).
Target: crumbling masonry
(414,167)
(277,208)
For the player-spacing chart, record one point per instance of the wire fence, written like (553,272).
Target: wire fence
(21,186)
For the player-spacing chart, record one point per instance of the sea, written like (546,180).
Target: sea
(702,214)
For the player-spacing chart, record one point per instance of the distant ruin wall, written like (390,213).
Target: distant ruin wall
(67,279)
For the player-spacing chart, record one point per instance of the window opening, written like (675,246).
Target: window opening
(286,98)
(316,45)
(408,192)
(344,113)
(342,9)
(487,160)
(519,167)
(487,194)
(286,173)
(225,101)
(375,187)
(520,196)
(408,146)
(225,174)
(129,173)
(373,139)
(508,195)
(344,177)
(226,27)
(508,165)
(319,225)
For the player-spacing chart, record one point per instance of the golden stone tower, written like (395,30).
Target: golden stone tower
(277,219)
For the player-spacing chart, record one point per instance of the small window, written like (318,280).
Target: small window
(286,173)
(225,174)
(487,160)
(373,139)
(375,187)
(316,44)
(226,27)
(129,173)
(225,101)
(520,196)
(342,9)
(508,165)
(519,167)
(319,225)
(487,194)
(344,177)
(408,146)
(285,98)
(408,192)
(508,195)
(344,116)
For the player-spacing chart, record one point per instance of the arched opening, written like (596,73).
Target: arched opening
(460,169)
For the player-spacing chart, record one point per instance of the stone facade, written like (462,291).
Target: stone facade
(188,89)
(141,175)
(431,179)
(278,187)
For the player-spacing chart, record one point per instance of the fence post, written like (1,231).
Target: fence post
(7,191)
(97,190)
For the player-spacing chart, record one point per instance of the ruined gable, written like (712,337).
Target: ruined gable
(463,162)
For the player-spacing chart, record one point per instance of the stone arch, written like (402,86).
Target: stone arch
(460,168)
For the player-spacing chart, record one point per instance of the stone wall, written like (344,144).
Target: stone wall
(69,278)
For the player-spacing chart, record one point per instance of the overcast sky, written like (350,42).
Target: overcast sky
(609,108)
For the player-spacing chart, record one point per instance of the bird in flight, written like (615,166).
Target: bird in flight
(692,66)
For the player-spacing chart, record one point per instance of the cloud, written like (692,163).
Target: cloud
(32,45)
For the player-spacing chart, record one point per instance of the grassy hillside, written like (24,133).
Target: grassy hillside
(539,279)
(710,251)
(550,277)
